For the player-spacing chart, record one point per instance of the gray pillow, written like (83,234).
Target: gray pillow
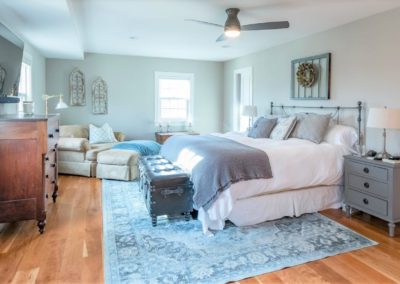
(311,127)
(262,127)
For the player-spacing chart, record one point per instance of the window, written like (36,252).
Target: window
(25,82)
(174,97)
(243,95)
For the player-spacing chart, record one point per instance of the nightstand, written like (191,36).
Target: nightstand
(373,187)
(161,137)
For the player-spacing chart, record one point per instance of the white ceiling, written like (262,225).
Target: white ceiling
(69,28)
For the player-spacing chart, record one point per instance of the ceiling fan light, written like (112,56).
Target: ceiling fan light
(232,33)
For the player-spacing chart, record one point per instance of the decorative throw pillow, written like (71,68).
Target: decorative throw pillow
(262,127)
(103,134)
(283,128)
(311,127)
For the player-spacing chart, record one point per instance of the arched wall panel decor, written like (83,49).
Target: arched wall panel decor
(77,88)
(310,78)
(99,96)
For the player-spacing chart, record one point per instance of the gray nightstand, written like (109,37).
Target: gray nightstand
(373,187)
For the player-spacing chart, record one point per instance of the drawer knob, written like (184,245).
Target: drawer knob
(47,158)
(365,201)
(47,176)
(57,130)
(366,170)
(53,165)
(51,135)
(47,196)
(366,184)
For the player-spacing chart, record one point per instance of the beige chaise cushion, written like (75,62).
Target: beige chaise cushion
(118,157)
(73,144)
(74,131)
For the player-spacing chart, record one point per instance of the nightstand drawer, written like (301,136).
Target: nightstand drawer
(366,202)
(367,170)
(369,185)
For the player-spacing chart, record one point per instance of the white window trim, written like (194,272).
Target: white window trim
(28,96)
(176,76)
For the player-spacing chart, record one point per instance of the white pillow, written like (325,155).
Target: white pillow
(342,135)
(103,134)
(283,128)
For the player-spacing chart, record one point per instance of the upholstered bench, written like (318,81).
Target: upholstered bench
(117,164)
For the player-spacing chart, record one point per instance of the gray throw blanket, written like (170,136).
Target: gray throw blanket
(222,162)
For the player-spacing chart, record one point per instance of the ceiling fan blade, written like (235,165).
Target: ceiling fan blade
(265,26)
(205,23)
(222,37)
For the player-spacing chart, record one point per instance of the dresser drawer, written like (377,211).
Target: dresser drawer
(366,202)
(369,185)
(367,170)
(53,132)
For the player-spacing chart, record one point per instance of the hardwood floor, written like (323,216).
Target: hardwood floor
(70,250)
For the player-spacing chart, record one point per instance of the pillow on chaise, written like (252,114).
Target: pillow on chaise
(103,134)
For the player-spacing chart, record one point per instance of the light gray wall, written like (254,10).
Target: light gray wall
(365,66)
(131,92)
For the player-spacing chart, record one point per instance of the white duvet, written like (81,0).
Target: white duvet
(295,164)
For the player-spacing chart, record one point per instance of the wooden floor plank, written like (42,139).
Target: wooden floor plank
(70,250)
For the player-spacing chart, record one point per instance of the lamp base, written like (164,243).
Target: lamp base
(383,155)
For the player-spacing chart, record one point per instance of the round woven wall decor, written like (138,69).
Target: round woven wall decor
(306,74)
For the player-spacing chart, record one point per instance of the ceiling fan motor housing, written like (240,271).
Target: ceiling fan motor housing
(232,23)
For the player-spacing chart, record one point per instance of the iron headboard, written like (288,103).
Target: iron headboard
(336,108)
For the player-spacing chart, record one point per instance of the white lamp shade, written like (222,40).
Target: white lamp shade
(61,104)
(249,111)
(388,118)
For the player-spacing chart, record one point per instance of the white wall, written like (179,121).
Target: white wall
(365,66)
(130,82)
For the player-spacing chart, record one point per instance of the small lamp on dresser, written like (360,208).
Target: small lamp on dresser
(385,118)
(250,111)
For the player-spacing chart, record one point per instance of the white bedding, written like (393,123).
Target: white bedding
(295,164)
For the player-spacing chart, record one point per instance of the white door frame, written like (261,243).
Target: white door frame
(245,73)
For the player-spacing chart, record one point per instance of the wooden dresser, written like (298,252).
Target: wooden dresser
(28,167)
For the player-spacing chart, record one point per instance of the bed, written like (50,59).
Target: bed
(306,177)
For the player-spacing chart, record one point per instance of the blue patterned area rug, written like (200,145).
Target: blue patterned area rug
(176,251)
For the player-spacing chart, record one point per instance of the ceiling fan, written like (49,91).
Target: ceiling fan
(232,27)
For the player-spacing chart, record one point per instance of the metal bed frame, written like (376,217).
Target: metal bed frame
(336,114)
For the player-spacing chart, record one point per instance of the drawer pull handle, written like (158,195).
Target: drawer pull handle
(47,196)
(365,201)
(366,184)
(57,130)
(51,135)
(53,182)
(366,170)
(53,165)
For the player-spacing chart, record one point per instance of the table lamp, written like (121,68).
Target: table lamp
(60,104)
(385,118)
(250,111)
